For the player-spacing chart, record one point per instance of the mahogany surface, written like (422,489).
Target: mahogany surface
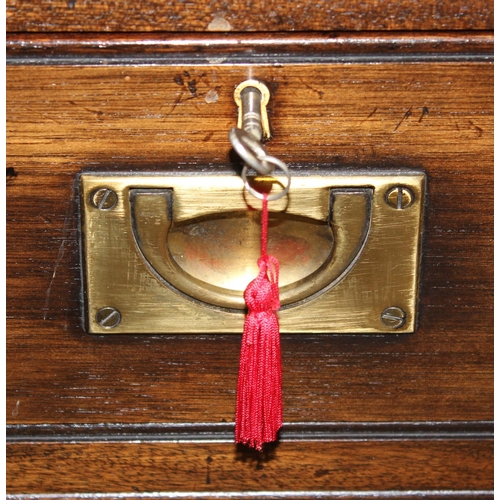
(217,15)
(71,110)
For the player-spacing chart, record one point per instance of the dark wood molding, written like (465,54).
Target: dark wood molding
(267,495)
(224,432)
(262,48)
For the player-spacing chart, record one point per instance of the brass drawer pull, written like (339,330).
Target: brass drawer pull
(173,253)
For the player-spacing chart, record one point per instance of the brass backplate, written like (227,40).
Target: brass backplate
(172,253)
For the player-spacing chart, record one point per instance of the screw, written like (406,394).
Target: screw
(104,199)
(393,317)
(108,317)
(399,197)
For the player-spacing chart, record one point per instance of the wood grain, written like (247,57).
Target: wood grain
(219,467)
(62,120)
(155,15)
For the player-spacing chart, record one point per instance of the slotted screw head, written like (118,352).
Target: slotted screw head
(108,317)
(399,197)
(393,317)
(104,198)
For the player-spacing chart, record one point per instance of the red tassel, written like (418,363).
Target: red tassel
(259,406)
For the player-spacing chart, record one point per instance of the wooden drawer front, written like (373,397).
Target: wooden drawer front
(91,400)
(434,116)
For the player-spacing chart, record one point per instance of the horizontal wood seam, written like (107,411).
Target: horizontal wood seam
(147,49)
(303,495)
(163,60)
(168,40)
(223,432)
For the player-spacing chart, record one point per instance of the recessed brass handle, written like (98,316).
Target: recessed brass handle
(162,253)
(211,258)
